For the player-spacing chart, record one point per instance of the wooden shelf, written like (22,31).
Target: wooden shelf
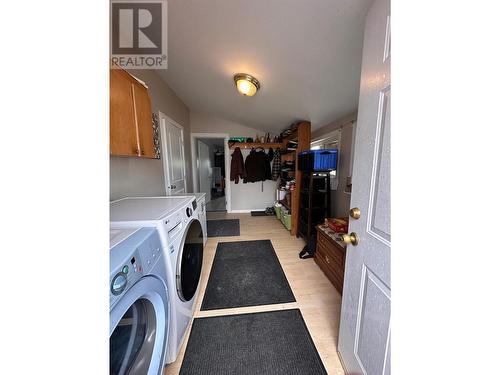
(303,136)
(287,151)
(255,145)
(291,137)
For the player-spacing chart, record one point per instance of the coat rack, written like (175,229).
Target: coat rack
(247,145)
(302,136)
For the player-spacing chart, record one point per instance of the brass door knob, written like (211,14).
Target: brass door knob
(355,213)
(352,238)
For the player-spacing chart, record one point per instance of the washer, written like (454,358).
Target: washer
(177,220)
(139,302)
(202,212)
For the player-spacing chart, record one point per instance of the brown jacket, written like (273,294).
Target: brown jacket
(237,166)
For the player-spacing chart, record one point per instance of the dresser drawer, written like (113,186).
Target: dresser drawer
(330,257)
(332,272)
(331,250)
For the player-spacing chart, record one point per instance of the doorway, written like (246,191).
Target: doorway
(210,170)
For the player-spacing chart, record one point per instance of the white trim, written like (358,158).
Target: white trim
(247,211)
(227,164)
(163,138)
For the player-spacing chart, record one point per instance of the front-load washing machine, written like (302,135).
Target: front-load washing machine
(139,302)
(177,221)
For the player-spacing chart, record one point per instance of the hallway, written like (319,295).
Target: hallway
(316,297)
(218,204)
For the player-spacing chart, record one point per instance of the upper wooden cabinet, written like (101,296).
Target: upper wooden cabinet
(131,129)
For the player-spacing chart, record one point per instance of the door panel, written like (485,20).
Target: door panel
(144,121)
(380,197)
(176,159)
(174,162)
(204,169)
(123,134)
(364,334)
(373,323)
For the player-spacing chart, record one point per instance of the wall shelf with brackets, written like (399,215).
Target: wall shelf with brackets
(248,145)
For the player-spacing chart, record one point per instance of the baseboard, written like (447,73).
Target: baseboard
(245,211)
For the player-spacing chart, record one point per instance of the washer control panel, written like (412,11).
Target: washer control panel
(131,271)
(132,259)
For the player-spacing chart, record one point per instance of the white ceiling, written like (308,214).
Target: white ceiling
(306,55)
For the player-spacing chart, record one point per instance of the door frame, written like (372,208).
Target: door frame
(163,139)
(227,163)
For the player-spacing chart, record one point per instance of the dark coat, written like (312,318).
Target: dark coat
(257,167)
(237,166)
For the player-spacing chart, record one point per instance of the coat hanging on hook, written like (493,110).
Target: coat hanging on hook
(257,167)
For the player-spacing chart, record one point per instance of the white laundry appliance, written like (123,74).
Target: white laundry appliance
(177,220)
(139,302)
(202,213)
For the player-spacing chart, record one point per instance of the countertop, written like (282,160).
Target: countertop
(333,235)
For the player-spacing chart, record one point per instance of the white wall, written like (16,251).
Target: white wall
(131,176)
(244,197)
(250,196)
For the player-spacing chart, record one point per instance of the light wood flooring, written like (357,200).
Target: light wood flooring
(317,299)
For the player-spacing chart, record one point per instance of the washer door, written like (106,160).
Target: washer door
(189,261)
(139,329)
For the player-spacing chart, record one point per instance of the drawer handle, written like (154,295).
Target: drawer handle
(327,259)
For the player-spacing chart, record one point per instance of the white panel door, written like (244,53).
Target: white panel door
(173,156)
(204,170)
(364,337)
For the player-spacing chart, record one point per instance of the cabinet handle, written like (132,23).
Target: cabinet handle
(327,259)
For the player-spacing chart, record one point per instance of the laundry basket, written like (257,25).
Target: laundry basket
(277,209)
(286,219)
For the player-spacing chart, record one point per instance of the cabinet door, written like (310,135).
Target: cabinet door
(144,121)
(123,130)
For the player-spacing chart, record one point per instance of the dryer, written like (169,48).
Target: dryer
(139,302)
(177,221)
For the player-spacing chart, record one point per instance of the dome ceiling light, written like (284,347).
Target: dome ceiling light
(246,84)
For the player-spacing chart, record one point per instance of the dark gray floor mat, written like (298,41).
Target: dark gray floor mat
(223,228)
(246,273)
(275,342)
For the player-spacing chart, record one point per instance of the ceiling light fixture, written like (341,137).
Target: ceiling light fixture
(246,84)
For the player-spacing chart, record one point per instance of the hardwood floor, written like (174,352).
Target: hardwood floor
(317,299)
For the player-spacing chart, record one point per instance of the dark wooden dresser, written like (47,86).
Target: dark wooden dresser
(330,255)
